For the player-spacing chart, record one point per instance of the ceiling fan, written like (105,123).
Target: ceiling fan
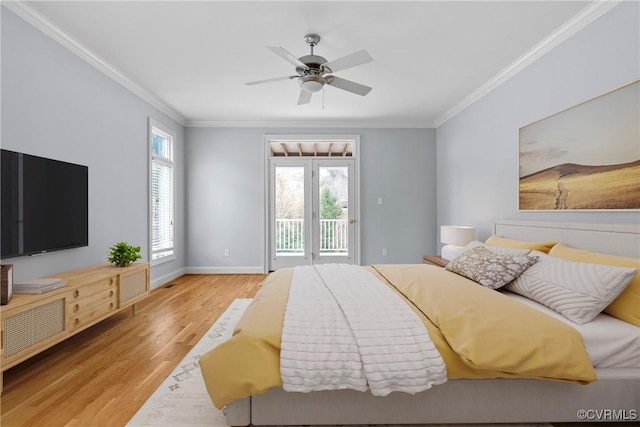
(313,71)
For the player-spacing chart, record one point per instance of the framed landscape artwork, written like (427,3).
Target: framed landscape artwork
(584,158)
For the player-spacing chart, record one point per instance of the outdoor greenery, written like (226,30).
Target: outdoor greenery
(290,209)
(289,193)
(329,208)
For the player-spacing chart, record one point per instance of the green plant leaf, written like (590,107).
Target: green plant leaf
(123,254)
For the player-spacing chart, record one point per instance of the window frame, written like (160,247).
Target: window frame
(155,127)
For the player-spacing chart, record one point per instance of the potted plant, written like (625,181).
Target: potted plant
(122,254)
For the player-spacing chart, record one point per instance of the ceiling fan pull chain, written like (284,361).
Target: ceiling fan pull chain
(323,97)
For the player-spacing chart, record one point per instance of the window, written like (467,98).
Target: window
(162,193)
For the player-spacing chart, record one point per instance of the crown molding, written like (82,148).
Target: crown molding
(34,18)
(592,12)
(589,14)
(306,124)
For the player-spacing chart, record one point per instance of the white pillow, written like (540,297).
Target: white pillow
(577,290)
(501,250)
(495,249)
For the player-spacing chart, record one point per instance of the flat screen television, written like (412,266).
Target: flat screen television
(44,204)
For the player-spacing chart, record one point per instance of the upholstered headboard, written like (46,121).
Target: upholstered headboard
(615,239)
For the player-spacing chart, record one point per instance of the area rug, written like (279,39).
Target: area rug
(182,399)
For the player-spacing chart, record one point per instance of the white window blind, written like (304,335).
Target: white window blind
(162,194)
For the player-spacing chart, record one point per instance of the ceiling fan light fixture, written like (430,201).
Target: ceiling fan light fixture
(312,83)
(314,71)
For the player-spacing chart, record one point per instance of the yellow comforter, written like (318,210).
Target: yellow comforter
(479,332)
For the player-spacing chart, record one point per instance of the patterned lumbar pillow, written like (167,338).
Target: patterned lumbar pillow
(489,268)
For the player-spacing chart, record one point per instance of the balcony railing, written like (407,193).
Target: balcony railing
(333,237)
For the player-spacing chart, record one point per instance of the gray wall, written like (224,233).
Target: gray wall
(226,195)
(478,148)
(56,105)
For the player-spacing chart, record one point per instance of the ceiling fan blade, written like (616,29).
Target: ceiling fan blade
(348,85)
(287,56)
(271,80)
(357,58)
(305,97)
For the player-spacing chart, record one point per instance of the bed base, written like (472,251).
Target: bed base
(456,401)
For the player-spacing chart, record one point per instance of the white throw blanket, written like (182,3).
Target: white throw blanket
(343,328)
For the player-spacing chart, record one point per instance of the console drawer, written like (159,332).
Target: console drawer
(90,315)
(76,307)
(92,289)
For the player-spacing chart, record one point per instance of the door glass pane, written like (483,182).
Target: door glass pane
(289,204)
(334,210)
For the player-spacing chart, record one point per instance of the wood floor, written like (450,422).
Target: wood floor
(103,375)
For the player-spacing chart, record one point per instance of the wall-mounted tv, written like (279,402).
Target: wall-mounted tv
(44,205)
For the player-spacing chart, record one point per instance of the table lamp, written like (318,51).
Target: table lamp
(455,238)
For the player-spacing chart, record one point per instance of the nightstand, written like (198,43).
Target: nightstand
(434,260)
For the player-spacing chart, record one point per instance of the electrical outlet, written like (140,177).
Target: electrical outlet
(226,252)
(385,252)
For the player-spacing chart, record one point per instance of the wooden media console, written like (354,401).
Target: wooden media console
(32,323)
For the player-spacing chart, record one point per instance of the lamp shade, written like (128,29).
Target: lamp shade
(457,235)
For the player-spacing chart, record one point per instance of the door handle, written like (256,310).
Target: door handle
(352,221)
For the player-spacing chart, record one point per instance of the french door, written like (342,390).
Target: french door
(312,215)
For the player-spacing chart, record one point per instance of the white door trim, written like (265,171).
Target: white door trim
(356,203)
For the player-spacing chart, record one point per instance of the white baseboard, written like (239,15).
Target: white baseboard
(225,270)
(162,280)
(159,281)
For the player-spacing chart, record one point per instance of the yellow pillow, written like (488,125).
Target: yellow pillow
(520,244)
(627,305)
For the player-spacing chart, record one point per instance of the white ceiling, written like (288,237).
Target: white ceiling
(193,57)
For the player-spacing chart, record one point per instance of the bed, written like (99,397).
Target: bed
(612,347)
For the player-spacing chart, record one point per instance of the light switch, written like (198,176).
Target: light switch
(379,200)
